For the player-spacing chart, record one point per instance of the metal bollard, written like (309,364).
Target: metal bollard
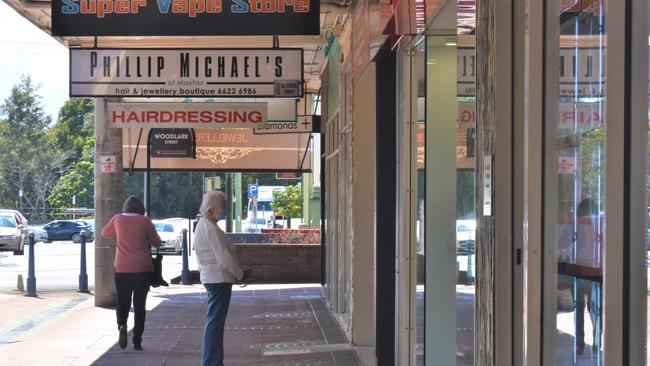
(186,278)
(83,275)
(31,276)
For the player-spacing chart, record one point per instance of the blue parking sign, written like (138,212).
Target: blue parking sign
(252,190)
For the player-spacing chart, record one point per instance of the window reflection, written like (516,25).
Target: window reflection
(578,186)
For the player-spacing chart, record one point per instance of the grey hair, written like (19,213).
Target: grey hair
(212,199)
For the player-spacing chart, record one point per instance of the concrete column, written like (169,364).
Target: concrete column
(363,214)
(494,252)
(109,197)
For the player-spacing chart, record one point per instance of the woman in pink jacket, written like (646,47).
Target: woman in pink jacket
(135,233)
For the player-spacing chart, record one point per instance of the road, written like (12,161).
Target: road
(57,267)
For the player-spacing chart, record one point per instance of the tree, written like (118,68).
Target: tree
(73,127)
(78,182)
(289,202)
(27,162)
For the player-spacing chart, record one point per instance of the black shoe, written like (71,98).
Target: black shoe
(137,347)
(122,339)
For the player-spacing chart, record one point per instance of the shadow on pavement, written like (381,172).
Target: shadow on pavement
(283,326)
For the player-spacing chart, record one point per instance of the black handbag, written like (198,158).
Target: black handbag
(157,279)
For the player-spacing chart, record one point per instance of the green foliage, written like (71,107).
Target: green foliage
(23,115)
(172,195)
(592,156)
(73,127)
(289,202)
(27,161)
(77,182)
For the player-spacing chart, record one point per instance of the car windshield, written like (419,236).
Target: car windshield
(260,221)
(165,228)
(7,221)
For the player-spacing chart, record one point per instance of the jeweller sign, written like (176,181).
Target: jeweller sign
(179,73)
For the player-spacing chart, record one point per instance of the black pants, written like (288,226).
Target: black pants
(136,285)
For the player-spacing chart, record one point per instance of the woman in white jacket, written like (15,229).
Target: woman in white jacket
(217,260)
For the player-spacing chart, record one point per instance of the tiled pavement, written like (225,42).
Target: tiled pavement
(266,325)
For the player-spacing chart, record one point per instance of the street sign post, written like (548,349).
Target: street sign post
(252,190)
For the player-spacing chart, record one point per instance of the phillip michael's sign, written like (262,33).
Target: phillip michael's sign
(182,73)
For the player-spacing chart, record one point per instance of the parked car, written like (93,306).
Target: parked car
(87,222)
(68,230)
(12,234)
(250,226)
(465,230)
(39,233)
(20,218)
(170,239)
(465,236)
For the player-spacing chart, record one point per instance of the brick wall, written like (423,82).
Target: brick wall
(281,263)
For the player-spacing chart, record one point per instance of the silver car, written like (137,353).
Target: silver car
(171,240)
(12,235)
(39,233)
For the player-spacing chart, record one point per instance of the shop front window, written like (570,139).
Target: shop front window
(575,204)
(443,76)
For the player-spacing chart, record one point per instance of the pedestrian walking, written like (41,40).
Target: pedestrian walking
(589,253)
(217,261)
(135,234)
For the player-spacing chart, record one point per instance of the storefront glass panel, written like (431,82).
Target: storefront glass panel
(443,79)
(575,184)
(446,225)
(647,222)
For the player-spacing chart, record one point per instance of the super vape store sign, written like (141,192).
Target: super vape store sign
(183,73)
(185,17)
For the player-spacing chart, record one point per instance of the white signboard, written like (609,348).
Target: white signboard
(487,185)
(566,164)
(108,163)
(267,72)
(303,124)
(187,115)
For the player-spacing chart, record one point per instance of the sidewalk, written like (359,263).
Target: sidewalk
(269,325)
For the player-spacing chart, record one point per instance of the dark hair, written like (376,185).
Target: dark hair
(133,205)
(586,207)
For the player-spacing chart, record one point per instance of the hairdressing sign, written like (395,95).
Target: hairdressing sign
(180,73)
(193,115)
(185,17)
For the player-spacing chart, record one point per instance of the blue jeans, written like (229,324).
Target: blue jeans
(215,322)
